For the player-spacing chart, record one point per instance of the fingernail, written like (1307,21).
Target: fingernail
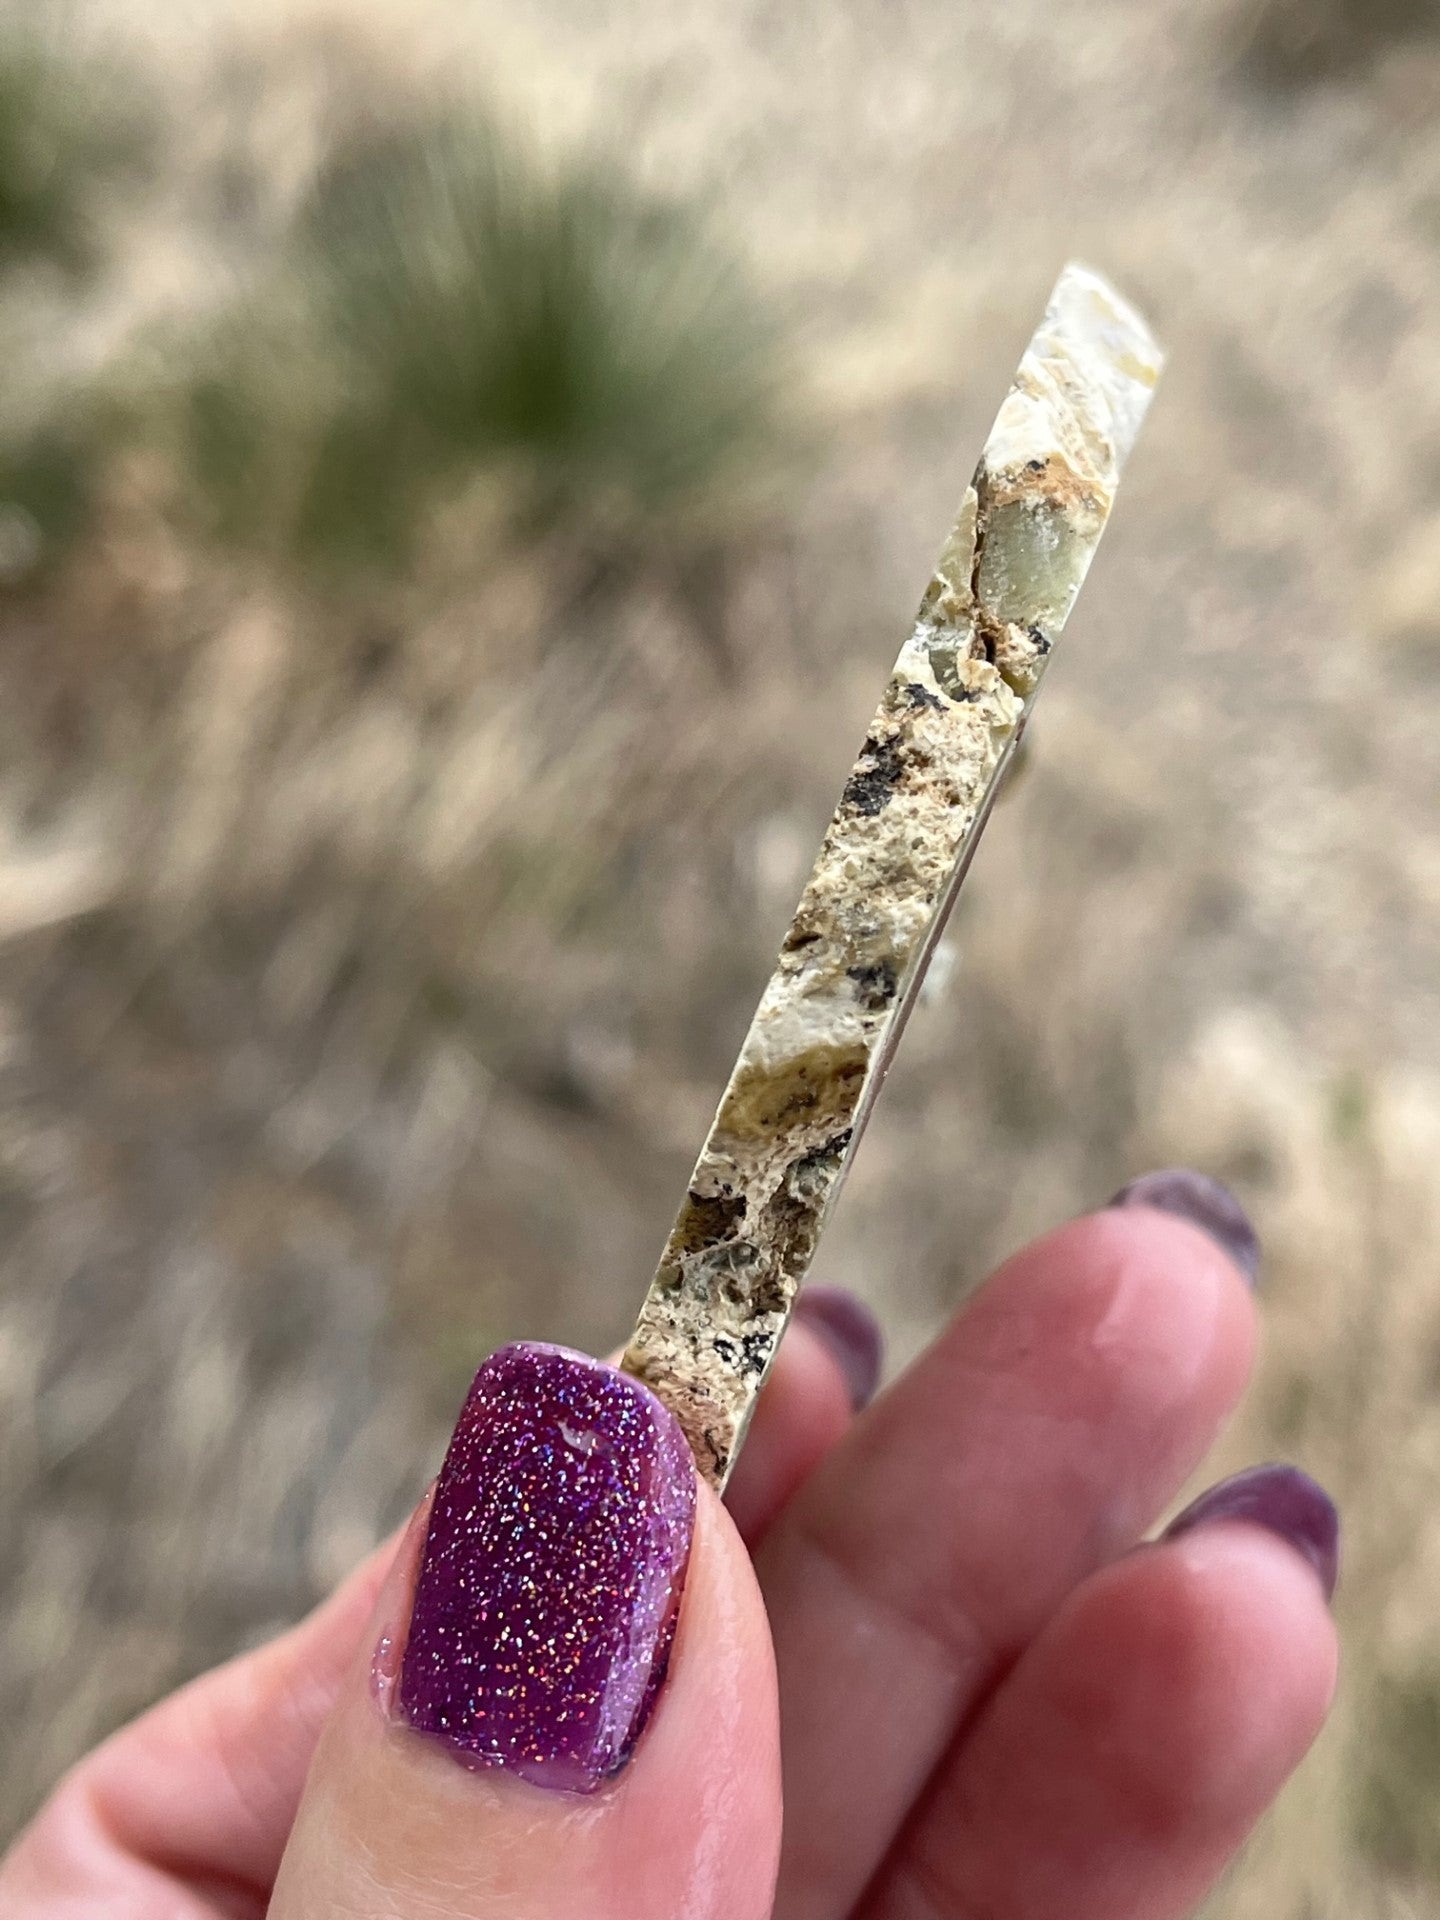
(1283,1499)
(551,1574)
(852,1333)
(1206,1204)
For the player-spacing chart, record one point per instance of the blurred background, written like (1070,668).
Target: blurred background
(464,472)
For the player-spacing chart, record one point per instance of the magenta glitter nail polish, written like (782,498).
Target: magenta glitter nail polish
(551,1573)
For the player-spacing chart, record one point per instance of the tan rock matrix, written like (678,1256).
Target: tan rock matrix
(891,863)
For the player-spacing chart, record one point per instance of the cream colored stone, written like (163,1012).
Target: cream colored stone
(891,862)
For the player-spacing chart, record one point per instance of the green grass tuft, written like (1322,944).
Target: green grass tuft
(67,133)
(454,306)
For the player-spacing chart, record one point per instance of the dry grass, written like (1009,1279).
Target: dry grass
(371,959)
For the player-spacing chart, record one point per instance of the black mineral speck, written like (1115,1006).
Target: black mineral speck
(869,789)
(916,696)
(874,985)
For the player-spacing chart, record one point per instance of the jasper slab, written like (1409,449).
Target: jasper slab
(892,859)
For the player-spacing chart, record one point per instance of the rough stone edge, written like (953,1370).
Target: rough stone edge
(890,865)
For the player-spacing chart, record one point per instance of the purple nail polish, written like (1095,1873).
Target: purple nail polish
(1205,1203)
(1283,1499)
(852,1333)
(551,1574)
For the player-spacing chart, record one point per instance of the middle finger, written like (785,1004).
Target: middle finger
(1039,1436)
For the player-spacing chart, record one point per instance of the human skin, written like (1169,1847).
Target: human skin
(933,1626)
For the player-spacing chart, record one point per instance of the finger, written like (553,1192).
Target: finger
(825,1372)
(207,1783)
(1123,1762)
(1037,1439)
(506,1763)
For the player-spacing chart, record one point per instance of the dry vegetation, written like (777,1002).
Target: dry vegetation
(413,734)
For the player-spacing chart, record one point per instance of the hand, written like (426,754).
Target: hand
(995,1704)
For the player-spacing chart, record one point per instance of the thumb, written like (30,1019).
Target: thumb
(566,1703)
